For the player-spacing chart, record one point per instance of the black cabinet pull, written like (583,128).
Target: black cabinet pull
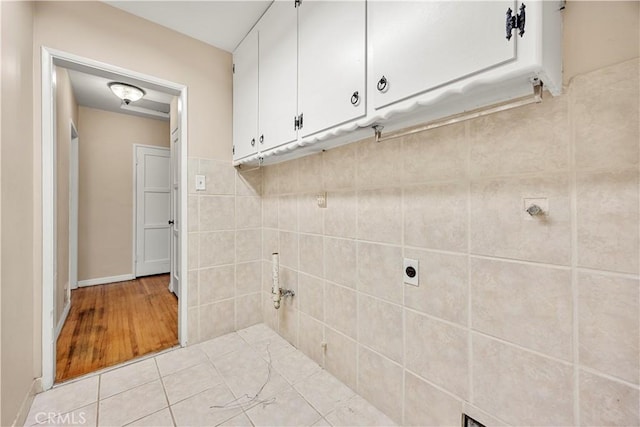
(253,142)
(261,139)
(382,84)
(355,98)
(171,222)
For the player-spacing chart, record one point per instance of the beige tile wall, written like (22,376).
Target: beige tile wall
(225,240)
(515,321)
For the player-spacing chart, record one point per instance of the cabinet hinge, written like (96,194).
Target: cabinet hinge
(300,121)
(516,22)
(233,150)
(233,68)
(297,122)
(297,3)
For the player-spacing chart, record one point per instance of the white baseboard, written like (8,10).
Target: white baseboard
(23,413)
(104,280)
(63,318)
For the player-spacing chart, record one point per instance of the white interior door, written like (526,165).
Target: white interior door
(153,209)
(175,210)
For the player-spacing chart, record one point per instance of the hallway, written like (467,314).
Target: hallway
(113,323)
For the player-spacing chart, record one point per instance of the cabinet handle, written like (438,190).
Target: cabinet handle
(355,98)
(261,139)
(253,142)
(382,84)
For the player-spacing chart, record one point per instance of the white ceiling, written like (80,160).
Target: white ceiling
(219,23)
(92,91)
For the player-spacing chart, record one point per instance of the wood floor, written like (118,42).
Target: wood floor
(110,324)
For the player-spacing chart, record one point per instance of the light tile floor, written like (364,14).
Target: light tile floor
(210,384)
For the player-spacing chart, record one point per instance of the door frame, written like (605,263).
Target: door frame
(135,201)
(74,206)
(49,59)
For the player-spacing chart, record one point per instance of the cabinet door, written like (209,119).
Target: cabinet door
(245,97)
(278,80)
(417,46)
(331,63)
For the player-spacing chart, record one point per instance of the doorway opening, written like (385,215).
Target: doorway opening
(148,294)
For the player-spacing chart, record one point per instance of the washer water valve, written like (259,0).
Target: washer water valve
(277,292)
(534,210)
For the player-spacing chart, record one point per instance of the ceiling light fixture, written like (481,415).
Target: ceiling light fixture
(128,93)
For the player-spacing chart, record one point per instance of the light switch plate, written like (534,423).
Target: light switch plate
(411,271)
(201,183)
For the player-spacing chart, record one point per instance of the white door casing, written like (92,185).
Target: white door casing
(176,148)
(74,174)
(49,58)
(152,210)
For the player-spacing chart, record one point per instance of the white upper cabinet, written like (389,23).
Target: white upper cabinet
(278,77)
(245,97)
(331,63)
(416,46)
(342,68)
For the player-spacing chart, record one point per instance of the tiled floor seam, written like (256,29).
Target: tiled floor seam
(148,415)
(98,401)
(173,419)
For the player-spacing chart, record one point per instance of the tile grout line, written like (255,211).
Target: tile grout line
(575,330)
(470,383)
(166,397)
(609,377)
(356,193)
(98,401)
(403,320)
(148,415)
(323,189)
(236,177)
(297,302)
(197,287)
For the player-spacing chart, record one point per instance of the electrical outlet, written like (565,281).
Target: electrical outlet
(201,183)
(411,271)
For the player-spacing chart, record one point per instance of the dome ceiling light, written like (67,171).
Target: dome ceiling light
(128,93)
